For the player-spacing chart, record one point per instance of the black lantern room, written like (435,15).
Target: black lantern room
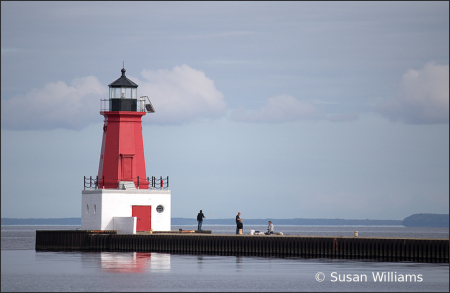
(123,94)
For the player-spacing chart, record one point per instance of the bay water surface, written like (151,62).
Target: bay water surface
(26,270)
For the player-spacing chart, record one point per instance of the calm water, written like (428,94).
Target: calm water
(24,269)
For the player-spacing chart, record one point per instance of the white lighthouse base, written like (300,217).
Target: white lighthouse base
(112,209)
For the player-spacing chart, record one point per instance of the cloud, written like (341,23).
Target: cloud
(423,97)
(181,95)
(283,108)
(57,105)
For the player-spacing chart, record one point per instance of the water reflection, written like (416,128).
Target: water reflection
(134,262)
(239,260)
(199,261)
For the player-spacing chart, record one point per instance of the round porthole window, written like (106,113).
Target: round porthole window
(160,209)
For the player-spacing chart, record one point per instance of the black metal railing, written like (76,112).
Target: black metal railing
(92,182)
(141,104)
(159,183)
(155,183)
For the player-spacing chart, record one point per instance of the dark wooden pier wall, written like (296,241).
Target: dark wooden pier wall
(385,249)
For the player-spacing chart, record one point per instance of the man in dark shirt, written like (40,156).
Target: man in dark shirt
(237,222)
(200,217)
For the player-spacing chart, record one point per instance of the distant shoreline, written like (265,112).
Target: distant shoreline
(416,220)
(231,221)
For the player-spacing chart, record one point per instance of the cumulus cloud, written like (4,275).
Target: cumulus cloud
(181,95)
(57,105)
(278,109)
(422,98)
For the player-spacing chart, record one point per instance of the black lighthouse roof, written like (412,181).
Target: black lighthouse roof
(123,81)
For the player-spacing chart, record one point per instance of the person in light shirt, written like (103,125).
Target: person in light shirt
(269,228)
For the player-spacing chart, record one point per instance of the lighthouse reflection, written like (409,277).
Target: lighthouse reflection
(134,262)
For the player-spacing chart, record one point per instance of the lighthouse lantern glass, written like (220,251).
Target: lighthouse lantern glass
(122,92)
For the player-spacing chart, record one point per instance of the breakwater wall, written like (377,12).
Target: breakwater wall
(384,249)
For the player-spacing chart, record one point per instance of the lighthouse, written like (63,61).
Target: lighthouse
(122,153)
(121,197)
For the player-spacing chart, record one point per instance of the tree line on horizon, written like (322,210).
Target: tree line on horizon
(416,220)
(190,221)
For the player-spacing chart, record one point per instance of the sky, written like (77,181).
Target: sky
(273,109)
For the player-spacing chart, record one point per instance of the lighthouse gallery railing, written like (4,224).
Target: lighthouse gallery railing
(156,183)
(141,104)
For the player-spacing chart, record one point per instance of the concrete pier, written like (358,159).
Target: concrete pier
(384,249)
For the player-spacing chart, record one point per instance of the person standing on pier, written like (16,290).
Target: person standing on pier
(200,217)
(240,226)
(270,228)
(237,222)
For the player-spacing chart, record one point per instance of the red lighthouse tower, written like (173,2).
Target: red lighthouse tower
(122,151)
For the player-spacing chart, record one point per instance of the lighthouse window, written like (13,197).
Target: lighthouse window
(115,93)
(95,208)
(160,209)
(87,209)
